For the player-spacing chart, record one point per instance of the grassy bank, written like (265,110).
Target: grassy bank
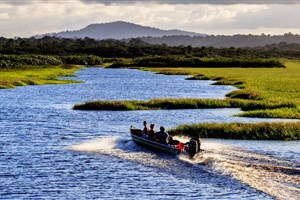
(274,84)
(154,104)
(269,85)
(35,69)
(35,75)
(183,103)
(263,92)
(258,131)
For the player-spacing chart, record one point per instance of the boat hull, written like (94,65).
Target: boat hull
(136,137)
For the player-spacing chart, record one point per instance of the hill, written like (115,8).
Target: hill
(118,30)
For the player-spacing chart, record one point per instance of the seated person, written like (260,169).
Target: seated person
(145,130)
(180,145)
(161,136)
(172,141)
(151,133)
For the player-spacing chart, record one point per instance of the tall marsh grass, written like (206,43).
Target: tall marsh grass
(270,88)
(181,103)
(247,131)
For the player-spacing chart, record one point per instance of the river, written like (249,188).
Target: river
(49,151)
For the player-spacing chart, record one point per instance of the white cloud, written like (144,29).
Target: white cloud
(215,2)
(36,17)
(4,16)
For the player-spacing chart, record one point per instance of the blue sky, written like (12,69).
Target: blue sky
(219,17)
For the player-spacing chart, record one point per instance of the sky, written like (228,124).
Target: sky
(25,18)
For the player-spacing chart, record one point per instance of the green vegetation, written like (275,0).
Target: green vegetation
(264,92)
(258,131)
(197,62)
(262,85)
(271,84)
(153,104)
(33,75)
(268,87)
(28,69)
(134,48)
(82,60)
(23,61)
(285,112)
(183,103)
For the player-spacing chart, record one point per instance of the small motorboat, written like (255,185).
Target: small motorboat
(190,148)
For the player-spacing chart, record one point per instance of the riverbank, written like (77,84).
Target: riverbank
(185,103)
(262,92)
(269,93)
(259,131)
(36,75)
(275,85)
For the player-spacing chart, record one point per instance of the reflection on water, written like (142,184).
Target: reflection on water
(50,151)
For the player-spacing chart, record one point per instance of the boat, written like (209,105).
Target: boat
(136,135)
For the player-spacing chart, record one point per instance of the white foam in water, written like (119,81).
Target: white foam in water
(97,145)
(278,178)
(122,148)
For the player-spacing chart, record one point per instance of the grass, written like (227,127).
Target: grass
(153,104)
(33,75)
(271,83)
(268,85)
(263,92)
(258,131)
(183,103)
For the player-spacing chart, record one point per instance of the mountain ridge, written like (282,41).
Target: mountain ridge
(118,30)
(125,31)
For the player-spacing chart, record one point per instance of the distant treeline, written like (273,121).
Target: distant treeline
(190,61)
(23,61)
(136,48)
(220,41)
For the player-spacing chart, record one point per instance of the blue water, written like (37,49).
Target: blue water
(50,151)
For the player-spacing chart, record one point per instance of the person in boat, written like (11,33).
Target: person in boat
(151,133)
(145,130)
(172,141)
(161,136)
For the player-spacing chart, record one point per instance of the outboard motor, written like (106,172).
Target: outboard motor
(193,146)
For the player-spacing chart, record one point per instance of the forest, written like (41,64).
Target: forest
(133,48)
(219,41)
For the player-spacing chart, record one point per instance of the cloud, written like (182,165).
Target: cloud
(222,2)
(216,2)
(55,16)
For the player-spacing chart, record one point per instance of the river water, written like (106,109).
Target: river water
(49,151)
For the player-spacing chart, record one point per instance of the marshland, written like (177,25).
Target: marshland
(247,117)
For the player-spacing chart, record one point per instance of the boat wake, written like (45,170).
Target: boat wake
(276,177)
(124,149)
(273,176)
